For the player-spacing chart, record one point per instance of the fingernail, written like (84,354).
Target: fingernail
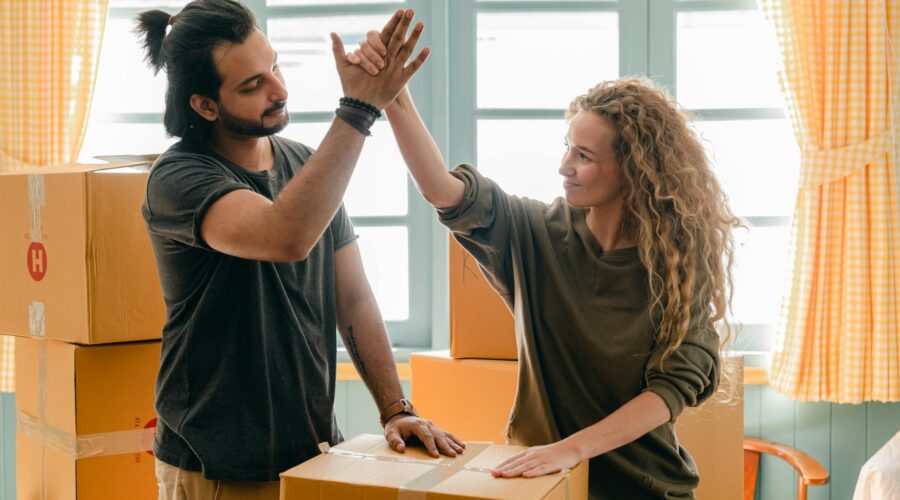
(380,64)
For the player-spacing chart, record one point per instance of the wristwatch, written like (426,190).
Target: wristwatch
(396,408)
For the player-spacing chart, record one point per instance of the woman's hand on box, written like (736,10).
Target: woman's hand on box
(401,428)
(538,460)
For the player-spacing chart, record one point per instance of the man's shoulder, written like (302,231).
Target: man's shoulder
(183,154)
(292,146)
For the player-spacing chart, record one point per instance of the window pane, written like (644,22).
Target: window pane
(385,258)
(760,273)
(727,60)
(124,82)
(543,60)
(378,185)
(123,138)
(523,156)
(757,162)
(305,58)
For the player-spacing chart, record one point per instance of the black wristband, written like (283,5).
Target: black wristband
(356,118)
(356,103)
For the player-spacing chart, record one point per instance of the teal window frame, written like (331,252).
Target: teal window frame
(647,46)
(445,93)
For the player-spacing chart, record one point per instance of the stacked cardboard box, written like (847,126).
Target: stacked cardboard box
(86,425)
(82,297)
(480,371)
(481,326)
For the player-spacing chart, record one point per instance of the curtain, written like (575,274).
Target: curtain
(838,338)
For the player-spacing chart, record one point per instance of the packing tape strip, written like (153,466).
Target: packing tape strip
(417,489)
(42,398)
(37,200)
(36,319)
(90,445)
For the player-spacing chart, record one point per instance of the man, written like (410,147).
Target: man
(258,259)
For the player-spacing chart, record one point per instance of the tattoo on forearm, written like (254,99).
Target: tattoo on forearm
(354,351)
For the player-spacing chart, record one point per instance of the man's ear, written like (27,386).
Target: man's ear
(205,107)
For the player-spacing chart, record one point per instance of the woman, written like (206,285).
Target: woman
(616,287)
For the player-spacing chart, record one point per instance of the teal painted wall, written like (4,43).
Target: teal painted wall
(841,437)
(7,446)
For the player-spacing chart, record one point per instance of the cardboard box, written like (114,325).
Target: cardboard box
(75,256)
(445,391)
(365,467)
(481,326)
(88,433)
(486,384)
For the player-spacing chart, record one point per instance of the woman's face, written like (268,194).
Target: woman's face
(592,177)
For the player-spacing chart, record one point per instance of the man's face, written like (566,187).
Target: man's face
(252,98)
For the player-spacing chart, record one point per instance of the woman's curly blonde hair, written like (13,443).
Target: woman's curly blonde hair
(673,206)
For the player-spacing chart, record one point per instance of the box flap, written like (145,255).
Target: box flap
(75,168)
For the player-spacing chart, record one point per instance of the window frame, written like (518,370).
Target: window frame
(445,92)
(647,45)
(411,334)
(753,337)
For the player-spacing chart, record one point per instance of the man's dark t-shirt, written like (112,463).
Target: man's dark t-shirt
(246,382)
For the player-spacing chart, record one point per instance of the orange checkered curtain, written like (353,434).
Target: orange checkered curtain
(838,340)
(49,50)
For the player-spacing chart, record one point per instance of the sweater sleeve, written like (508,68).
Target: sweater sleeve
(484,223)
(690,374)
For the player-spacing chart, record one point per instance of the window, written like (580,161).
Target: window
(499,77)
(726,57)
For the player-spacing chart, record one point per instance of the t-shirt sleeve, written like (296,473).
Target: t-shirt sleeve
(342,228)
(179,193)
(690,374)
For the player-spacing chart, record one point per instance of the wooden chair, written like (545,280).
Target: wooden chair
(810,471)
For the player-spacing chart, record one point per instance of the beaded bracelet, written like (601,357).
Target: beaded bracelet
(356,103)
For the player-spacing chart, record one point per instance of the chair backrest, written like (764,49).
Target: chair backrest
(809,470)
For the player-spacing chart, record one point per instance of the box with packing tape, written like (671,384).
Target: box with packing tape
(366,467)
(85,420)
(75,255)
(481,326)
(445,390)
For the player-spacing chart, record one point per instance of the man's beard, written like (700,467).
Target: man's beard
(252,128)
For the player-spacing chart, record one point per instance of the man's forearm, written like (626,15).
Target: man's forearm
(306,206)
(366,340)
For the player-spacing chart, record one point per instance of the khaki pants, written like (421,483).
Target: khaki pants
(180,484)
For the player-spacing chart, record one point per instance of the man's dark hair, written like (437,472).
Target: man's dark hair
(185,52)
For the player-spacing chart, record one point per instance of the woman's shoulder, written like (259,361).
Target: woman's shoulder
(558,213)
